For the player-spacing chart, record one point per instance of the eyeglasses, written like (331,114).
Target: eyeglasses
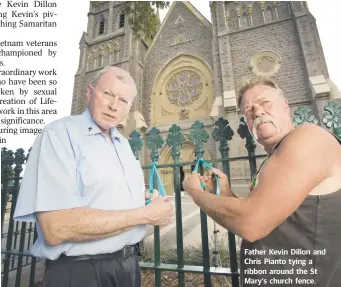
(122,102)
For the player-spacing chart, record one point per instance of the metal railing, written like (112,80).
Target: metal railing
(18,238)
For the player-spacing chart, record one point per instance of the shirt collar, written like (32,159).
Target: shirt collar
(91,128)
(115,135)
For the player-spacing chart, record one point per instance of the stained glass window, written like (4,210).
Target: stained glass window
(184,88)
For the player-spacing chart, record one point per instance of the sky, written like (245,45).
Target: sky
(72,22)
(326,15)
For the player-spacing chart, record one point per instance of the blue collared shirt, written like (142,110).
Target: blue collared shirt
(72,164)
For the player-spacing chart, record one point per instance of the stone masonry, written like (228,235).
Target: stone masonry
(277,39)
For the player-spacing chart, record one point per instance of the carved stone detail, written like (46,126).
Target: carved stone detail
(265,63)
(184,114)
(179,20)
(164,112)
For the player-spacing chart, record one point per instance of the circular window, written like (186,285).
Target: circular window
(184,88)
(265,63)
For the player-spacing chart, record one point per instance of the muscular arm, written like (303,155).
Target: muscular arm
(305,158)
(228,211)
(83,224)
(230,193)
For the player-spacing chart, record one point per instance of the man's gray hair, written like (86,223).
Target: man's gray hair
(256,81)
(120,74)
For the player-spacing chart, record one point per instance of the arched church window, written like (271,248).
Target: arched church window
(268,14)
(101,27)
(100,59)
(121,22)
(117,55)
(245,20)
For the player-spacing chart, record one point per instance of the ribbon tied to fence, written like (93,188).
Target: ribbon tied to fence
(161,189)
(203,162)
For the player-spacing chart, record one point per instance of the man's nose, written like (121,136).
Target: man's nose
(258,111)
(113,104)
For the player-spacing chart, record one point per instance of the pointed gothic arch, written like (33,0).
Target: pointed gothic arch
(182,88)
(257,13)
(233,19)
(106,51)
(92,59)
(269,14)
(244,13)
(100,56)
(101,25)
(187,155)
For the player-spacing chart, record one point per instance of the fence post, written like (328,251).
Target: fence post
(33,263)
(250,145)
(7,160)
(154,143)
(223,133)
(19,160)
(175,140)
(198,137)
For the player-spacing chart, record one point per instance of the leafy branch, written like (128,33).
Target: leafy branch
(142,16)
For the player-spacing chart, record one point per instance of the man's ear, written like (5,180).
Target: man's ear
(88,94)
(286,103)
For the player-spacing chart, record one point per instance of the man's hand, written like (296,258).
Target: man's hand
(210,181)
(159,211)
(148,196)
(191,184)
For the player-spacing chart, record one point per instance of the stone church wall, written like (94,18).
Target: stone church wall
(197,39)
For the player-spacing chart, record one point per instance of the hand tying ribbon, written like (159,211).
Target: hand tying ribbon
(202,161)
(160,186)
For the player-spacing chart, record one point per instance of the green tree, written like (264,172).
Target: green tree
(142,16)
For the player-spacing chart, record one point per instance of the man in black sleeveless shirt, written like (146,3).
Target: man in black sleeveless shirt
(290,222)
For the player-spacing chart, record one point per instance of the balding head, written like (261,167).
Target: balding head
(110,97)
(119,73)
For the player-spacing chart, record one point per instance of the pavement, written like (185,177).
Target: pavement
(191,227)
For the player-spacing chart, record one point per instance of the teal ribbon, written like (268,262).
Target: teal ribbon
(203,162)
(160,186)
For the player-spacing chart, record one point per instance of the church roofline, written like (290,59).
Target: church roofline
(83,39)
(197,13)
(191,8)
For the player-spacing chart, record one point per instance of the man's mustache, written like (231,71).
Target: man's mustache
(261,120)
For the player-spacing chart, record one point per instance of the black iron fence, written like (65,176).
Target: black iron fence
(17,238)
